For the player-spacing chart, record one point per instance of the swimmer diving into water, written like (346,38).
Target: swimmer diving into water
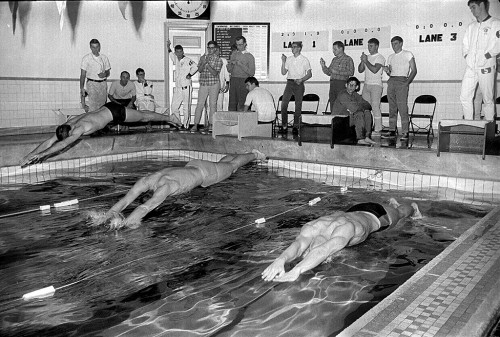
(88,123)
(174,181)
(327,235)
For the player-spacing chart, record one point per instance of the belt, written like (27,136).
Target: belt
(89,79)
(183,88)
(399,77)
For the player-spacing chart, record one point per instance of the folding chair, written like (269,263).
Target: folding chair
(384,109)
(277,120)
(422,102)
(311,98)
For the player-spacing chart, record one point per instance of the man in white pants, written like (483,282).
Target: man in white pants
(373,65)
(480,48)
(224,76)
(185,68)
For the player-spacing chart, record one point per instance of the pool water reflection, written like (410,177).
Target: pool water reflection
(182,274)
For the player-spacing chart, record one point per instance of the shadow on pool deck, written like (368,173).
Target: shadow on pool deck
(456,294)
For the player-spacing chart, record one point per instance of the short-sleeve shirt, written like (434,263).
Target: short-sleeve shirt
(95,65)
(206,77)
(122,92)
(262,102)
(374,78)
(183,67)
(297,67)
(400,63)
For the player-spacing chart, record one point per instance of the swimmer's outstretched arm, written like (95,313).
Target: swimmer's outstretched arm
(277,268)
(42,147)
(134,219)
(139,187)
(340,238)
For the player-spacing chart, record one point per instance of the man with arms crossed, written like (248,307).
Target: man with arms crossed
(480,48)
(185,68)
(95,68)
(123,91)
(174,181)
(402,69)
(88,123)
(321,238)
(261,101)
(241,65)
(373,65)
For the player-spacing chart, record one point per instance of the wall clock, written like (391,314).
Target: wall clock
(188,10)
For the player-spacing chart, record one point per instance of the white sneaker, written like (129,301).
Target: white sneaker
(370,141)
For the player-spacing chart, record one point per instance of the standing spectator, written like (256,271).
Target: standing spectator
(350,103)
(402,69)
(299,70)
(261,101)
(241,65)
(123,91)
(95,68)
(373,65)
(185,68)
(340,69)
(224,83)
(480,48)
(144,92)
(209,68)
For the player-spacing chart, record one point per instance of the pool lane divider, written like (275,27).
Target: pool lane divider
(59,204)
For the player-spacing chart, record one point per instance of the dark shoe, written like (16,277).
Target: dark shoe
(295,131)
(388,134)
(283,131)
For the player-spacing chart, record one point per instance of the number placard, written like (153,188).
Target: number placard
(357,38)
(311,41)
(437,33)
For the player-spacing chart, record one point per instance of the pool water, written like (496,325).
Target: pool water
(185,272)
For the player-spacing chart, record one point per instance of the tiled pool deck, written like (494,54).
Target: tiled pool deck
(456,294)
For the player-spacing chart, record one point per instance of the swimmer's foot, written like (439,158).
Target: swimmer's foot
(394,203)
(259,155)
(416,211)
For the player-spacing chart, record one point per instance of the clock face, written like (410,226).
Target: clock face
(188,9)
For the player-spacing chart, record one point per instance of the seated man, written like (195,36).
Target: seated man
(351,104)
(174,181)
(321,238)
(88,123)
(144,92)
(261,100)
(122,91)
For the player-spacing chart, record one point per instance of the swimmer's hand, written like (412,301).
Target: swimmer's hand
(275,270)
(31,160)
(291,276)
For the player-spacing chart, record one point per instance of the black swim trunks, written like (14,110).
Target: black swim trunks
(375,209)
(117,111)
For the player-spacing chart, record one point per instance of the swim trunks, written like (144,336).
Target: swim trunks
(117,111)
(375,209)
(210,171)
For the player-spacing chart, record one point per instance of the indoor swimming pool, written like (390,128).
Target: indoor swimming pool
(193,267)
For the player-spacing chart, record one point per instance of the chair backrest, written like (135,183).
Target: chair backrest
(292,99)
(327,112)
(311,98)
(425,100)
(497,101)
(384,99)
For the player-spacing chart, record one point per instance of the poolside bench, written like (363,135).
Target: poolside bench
(325,129)
(463,135)
(239,123)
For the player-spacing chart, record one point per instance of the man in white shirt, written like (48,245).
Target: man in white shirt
(480,48)
(123,91)
(373,65)
(95,68)
(298,70)
(185,68)
(402,69)
(261,101)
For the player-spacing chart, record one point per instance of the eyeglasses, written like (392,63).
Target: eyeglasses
(211,47)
